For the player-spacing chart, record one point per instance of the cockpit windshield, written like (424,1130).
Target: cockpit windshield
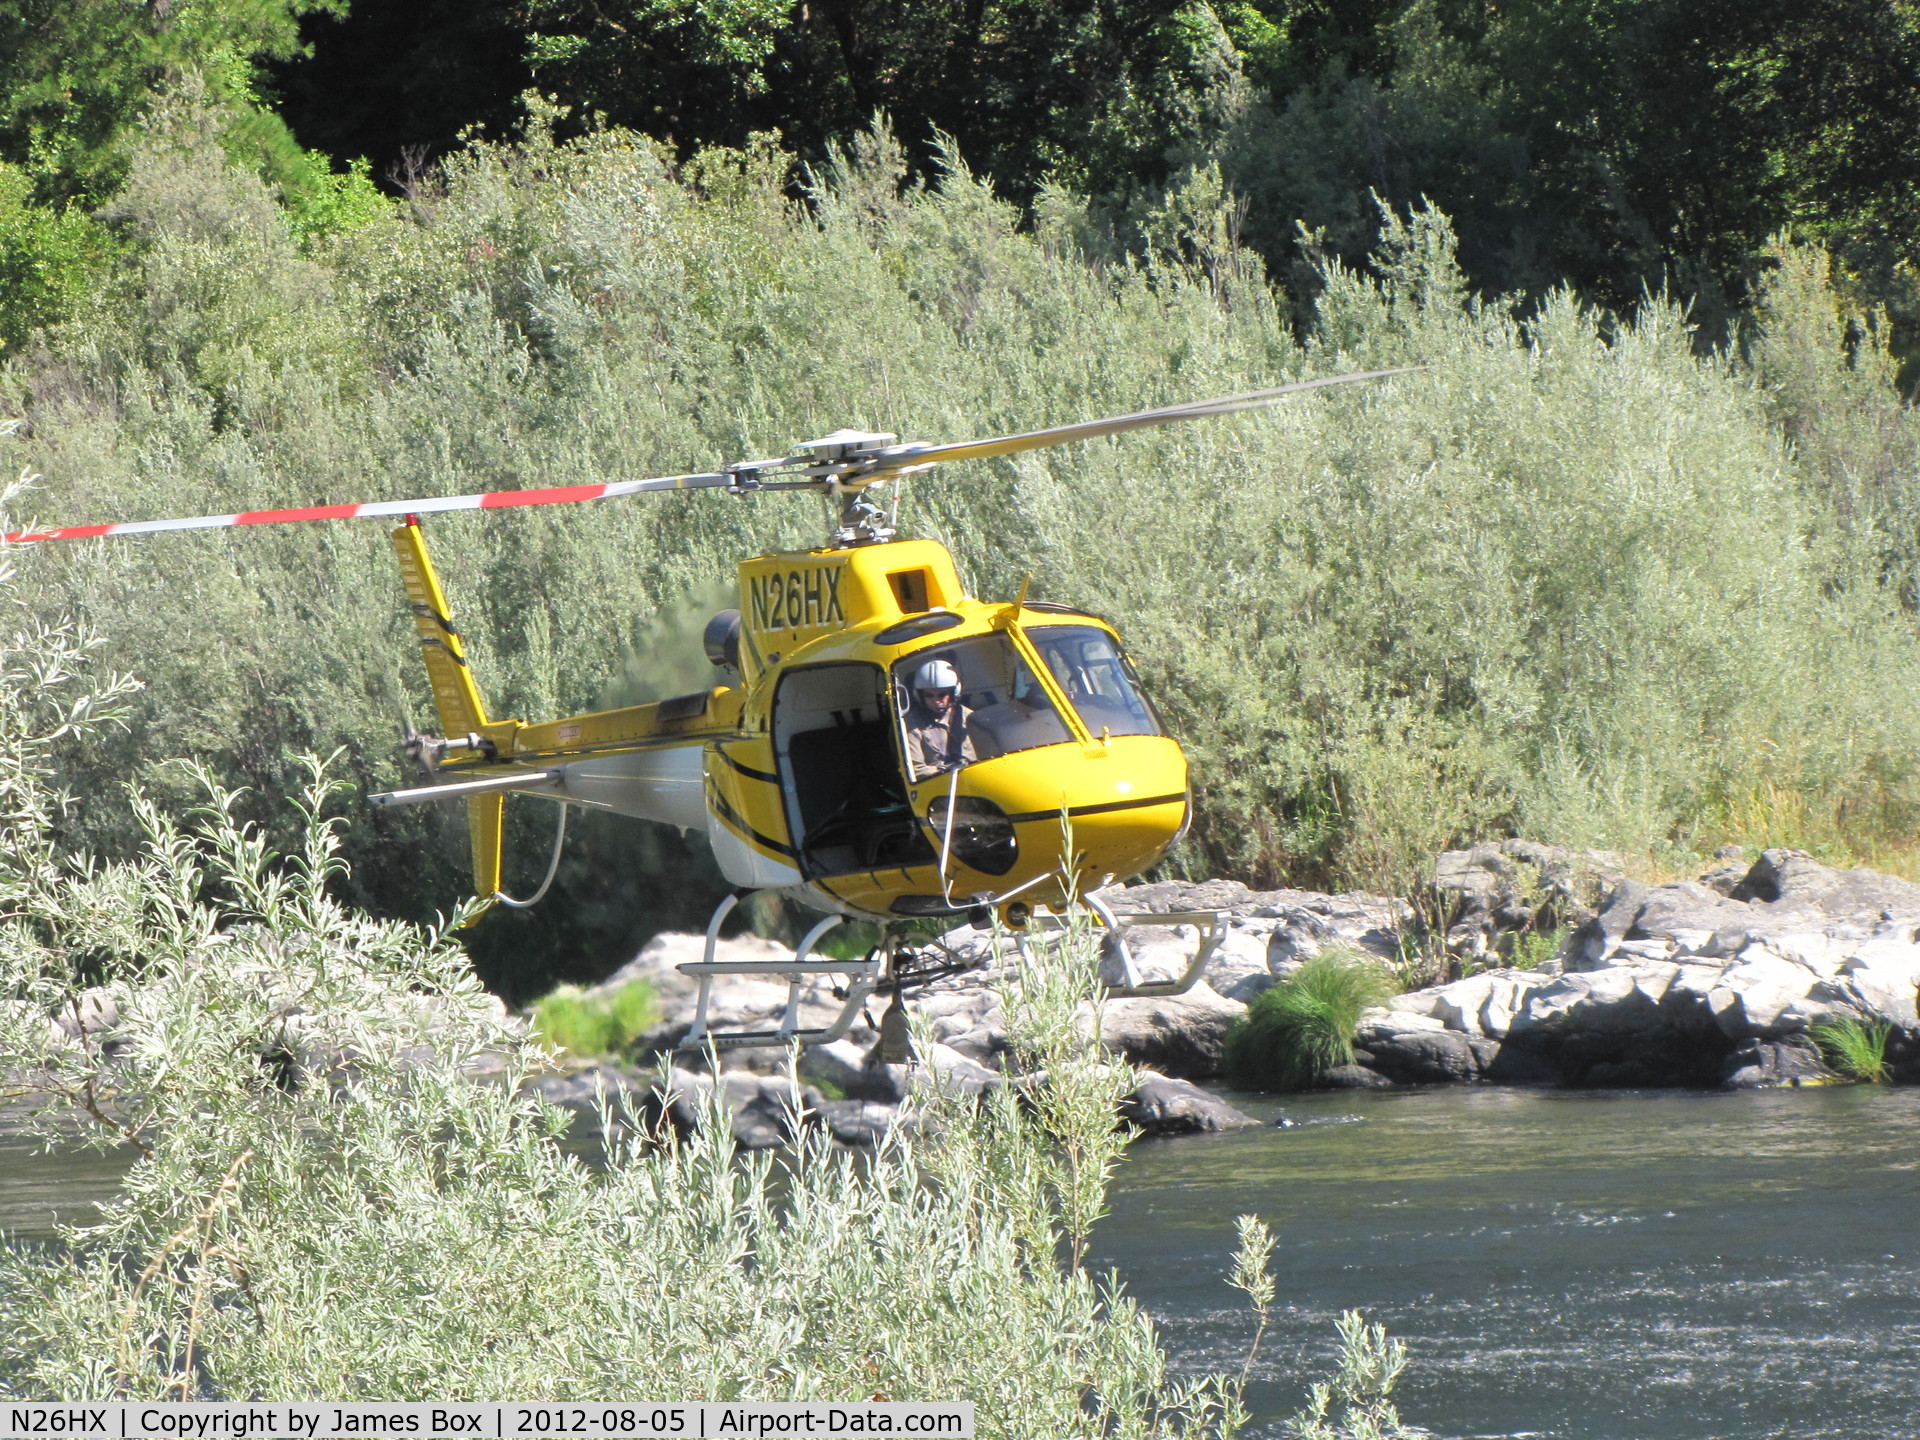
(1097,678)
(971,700)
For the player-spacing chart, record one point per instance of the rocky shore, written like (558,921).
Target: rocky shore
(1549,967)
(1703,983)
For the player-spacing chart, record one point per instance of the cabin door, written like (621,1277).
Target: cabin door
(837,750)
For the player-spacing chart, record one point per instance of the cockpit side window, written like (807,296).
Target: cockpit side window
(1097,678)
(971,700)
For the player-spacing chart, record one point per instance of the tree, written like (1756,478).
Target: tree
(74,74)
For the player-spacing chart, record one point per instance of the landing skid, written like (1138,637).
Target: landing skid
(890,966)
(1212,925)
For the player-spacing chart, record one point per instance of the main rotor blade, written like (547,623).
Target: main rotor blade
(489,500)
(900,456)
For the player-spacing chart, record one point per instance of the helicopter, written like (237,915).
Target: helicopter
(888,747)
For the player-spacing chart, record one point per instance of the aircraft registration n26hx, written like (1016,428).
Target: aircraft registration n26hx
(889,747)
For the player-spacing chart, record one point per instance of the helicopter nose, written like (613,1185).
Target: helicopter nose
(1089,811)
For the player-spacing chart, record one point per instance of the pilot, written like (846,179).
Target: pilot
(937,730)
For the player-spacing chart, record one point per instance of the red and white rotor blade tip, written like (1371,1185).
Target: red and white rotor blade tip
(490,500)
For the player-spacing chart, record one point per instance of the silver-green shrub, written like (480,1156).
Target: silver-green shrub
(1574,580)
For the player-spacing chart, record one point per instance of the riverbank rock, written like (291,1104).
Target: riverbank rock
(1179,1034)
(1286,927)
(1494,892)
(1714,981)
(1163,1106)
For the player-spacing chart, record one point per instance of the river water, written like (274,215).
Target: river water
(1573,1265)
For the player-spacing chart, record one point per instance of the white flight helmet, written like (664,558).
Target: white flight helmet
(936,675)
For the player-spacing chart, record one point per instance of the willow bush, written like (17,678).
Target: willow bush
(1572,580)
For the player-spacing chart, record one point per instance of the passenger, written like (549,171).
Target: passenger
(937,723)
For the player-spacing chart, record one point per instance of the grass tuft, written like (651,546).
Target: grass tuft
(1303,1027)
(1533,947)
(584,1023)
(1857,1050)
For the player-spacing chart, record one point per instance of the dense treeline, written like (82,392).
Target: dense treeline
(1623,147)
(1583,579)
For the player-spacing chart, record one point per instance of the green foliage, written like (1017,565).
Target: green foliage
(1856,1049)
(585,1023)
(51,258)
(1092,94)
(322,203)
(1532,947)
(1619,148)
(1356,1404)
(75,79)
(1303,1027)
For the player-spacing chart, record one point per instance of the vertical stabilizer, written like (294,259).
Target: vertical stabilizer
(454,694)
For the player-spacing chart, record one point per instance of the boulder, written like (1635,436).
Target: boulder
(92,1012)
(1163,1106)
(1176,1034)
(1304,924)
(585,1089)
(763,1123)
(1761,997)
(768,1111)
(1421,1057)
(1513,887)
(1882,993)
(1457,1006)
(1771,1064)
(1160,953)
(955,1071)
(859,1123)
(1692,918)
(1792,880)
(739,1002)
(855,1071)
(1633,1023)
(1353,1077)
(1239,969)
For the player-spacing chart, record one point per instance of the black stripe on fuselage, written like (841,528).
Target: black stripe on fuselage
(427,612)
(747,770)
(1111,807)
(436,643)
(736,823)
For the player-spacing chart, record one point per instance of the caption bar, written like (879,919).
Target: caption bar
(487,1420)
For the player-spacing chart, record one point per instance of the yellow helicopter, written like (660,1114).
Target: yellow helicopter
(891,747)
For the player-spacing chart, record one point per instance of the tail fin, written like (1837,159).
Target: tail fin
(454,694)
